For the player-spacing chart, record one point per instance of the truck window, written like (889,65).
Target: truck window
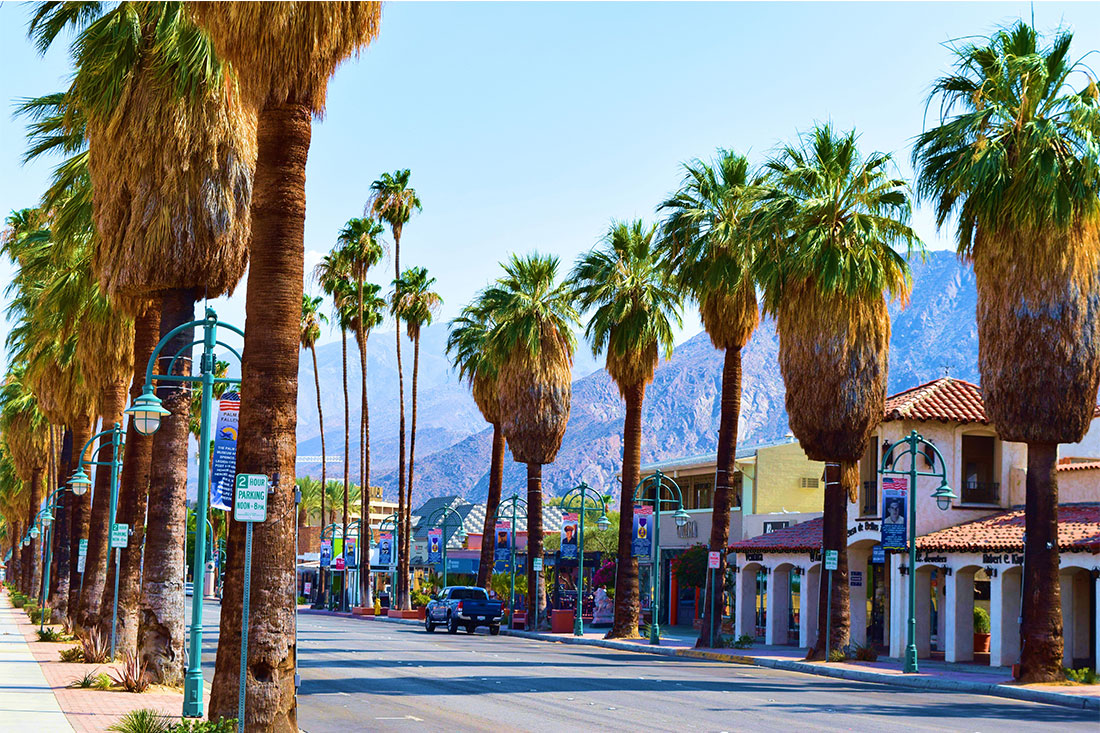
(469,594)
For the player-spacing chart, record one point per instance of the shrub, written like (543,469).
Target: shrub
(86,681)
(225,725)
(72,654)
(981,620)
(691,567)
(18,599)
(605,576)
(866,653)
(103,681)
(837,655)
(95,647)
(132,677)
(29,607)
(144,721)
(419,598)
(1084,675)
(743,642)
(40,615)
(49,635)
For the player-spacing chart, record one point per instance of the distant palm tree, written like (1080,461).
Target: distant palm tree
(1014,158)
(832,217)
(415,303)
(635,312)
(533,343)
(311,500)
(310,331)
(394,201)
(468,347)
(706,246)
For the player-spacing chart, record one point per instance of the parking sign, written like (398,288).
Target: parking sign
(250,499)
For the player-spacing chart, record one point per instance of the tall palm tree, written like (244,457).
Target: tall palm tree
(832,218)
(635,311)
(468,347)
(284,54)
(309,332)
(1014,158)
(706,247)
(165,135)
(393,201)
(415,303)
(362,248)
(533,343)
(311,500)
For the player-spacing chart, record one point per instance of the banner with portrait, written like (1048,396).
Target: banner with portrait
(895,498)
(569,535)
(435,546)
(502,547)
(385,548)
(642,542)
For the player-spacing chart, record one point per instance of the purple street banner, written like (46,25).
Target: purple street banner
(895,494)
(435,546)
(326,553)
(223,462)
(350,557)
(569,537)
(502,547)
(385,549)
(642,543)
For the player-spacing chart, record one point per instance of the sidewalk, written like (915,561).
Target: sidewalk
(994,681)
(63,707)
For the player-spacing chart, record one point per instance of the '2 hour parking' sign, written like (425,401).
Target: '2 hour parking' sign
(250,498)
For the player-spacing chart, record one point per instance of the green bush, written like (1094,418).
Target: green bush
(1084,675)
(72,654)
(40,615)
(837,655)
(743,642)
(419,598)
(49,635)
(981,620)
(866,653)
(18,599)
(85,681)
(225,725)
(144,721)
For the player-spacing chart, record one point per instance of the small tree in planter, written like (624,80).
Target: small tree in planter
(981,630)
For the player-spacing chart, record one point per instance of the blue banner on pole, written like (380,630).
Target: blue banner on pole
(223,464)
(385,549)
(502,547)
(326,553)
(895,494)
(642,542)
(569,537)
(435,546)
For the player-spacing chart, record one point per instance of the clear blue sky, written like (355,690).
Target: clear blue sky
(530,126)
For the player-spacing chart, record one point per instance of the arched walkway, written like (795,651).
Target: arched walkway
(751,599)
(782,605)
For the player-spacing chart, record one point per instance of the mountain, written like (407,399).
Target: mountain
(935,332)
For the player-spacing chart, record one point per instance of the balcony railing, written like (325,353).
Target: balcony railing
(869,505)
(981,492)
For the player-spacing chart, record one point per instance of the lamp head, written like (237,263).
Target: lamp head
(79,482)
(603,523)
(944,496)
(147,411)
(681,517)
(47,517)
(34,532)
(26,540)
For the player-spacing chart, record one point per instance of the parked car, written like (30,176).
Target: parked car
(463,605)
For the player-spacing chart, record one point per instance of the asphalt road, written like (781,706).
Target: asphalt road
(370,676)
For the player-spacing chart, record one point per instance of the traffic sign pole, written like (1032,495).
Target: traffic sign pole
(831,558)
(249,506)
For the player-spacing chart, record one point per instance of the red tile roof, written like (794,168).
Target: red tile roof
(1079,466)
(800,537)
(946,400)
(1078,529)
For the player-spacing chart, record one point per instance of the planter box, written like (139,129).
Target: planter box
(561,621)
(519,621)
(981,643)
(363,610)
(416,613)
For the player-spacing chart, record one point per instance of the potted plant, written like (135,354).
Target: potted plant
(981,630)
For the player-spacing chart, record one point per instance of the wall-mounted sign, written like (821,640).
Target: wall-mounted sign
(120,535)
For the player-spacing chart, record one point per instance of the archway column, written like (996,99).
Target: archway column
(924,612)
(857,595)
(959,616)
(808,591)
(745,603)
(778,605)
(1004,618)
(899,606)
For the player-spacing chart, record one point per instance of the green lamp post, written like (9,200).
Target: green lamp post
(389,524)
(512,505)
(444,513)
(329,532)
(650,491)
(576,500)
(146,413)
(48,514)
(914,445)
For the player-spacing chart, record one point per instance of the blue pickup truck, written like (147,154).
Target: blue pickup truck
(465,606)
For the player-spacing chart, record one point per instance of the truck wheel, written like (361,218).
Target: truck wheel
(494,630)
(428,625)
(452,625)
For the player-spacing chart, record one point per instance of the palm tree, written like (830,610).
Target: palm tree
(362,250)
(283,54)
(468,347)
(636,309)
(393,201)
(832,218)
(311,500)
(309,332)
(1014,159)
(533,343)
(706,248)
(415,303)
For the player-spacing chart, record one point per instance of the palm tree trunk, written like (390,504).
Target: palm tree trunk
(162,621)
(77,518)
(267,432)
(834,537)
(1041,627)
(34,555)
(626,574)
(723,472)
(133,496)
(492,504)
(59,583)
(324,469)
(364,471)
(412,427)
(536,591)
(112,402)
(403,509)
(342,605)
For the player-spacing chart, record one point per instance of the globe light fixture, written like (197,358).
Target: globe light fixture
(146,412)
(681,517)
(80,482)
(34,532)
(603,523)
(46,517)
(944,496)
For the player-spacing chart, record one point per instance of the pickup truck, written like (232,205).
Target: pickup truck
(462,605)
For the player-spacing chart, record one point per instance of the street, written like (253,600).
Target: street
(373,676)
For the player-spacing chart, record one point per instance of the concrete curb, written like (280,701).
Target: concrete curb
(856,675)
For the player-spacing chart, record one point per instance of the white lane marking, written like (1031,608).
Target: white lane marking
(404,717)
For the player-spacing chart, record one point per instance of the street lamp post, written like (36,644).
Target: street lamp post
(391,520)
(657,482)
(513,503)
(48,514)
(329,532)
(914,445)
(146,413)
(445,512)
(576,500)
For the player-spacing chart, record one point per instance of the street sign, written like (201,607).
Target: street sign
(120,535)
(223,460)
(856,580)
(82,555)
(714,560)
(536,564)
(338,563)
(831,557)
(250,500)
